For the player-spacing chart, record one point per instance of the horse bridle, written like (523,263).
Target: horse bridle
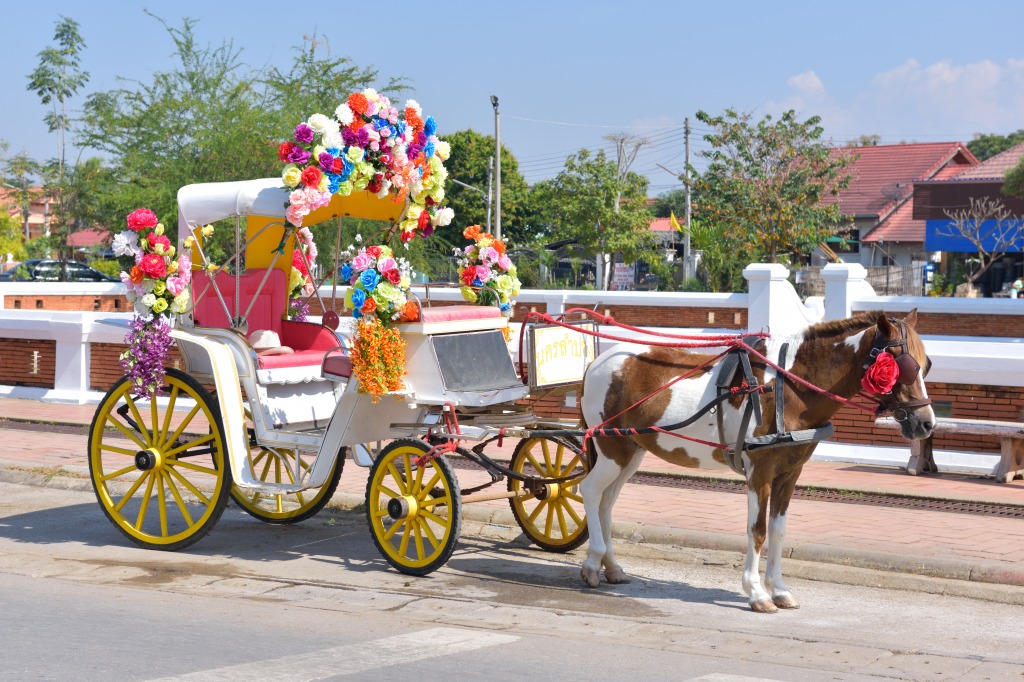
(908,367)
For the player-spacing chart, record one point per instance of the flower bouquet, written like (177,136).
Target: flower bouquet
(368,145)
(488,275)
(378,297)
(157,289)
(300,283)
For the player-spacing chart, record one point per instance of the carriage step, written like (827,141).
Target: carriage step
(789,438)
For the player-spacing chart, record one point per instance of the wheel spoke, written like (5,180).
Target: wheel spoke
(570,466)
(387,491)
(190,444)
(166,428)
(119,451)
(572,512)
(184,422)
(403,546)
(427,514)
(162,499)
(138,417)
(429,533)
(534,463)
(397,525)
(425,490)
(559,452)
(144,506)
(188,484)
(398,479)
(536,512)
(266,468)
(435,502)
(177,498)
(550,519)
(131,491)
(561,520)
(191,466)
(131,435)
(547,457)
(418,538)
(120,472)
(572,496)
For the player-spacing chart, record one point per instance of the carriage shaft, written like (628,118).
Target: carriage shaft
(485,497)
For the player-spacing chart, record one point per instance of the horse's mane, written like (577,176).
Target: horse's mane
(832,328)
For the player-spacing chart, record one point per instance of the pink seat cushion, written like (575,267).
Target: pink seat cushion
(266,312)
(309,341)
(338,365)
(300,358)
(455,313)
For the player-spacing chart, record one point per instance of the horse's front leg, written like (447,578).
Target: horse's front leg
(782,493)
(757,508)
(594,489)
(613,573)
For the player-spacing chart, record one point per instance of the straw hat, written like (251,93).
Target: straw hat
(267,342)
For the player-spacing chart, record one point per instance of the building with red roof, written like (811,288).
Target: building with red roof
(880,199)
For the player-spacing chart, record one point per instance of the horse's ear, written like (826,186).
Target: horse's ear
(911,318)
(884,326)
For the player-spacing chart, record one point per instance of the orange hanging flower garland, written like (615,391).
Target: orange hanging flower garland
(378,358)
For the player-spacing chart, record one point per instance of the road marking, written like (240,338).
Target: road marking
(721,677)
(353,658)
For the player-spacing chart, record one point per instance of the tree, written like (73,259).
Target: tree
(721,258)
(865,141)
(12,241)
(18,173)
(990,227)
(1013,181)
(987,146)
(56,79)
(769,181)
(672,202)
(590,203)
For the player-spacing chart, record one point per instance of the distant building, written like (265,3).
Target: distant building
(39,209)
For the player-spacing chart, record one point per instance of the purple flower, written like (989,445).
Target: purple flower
(362,137)
(326,162)
(298,156)
(298,309)
(303,133)
(348,136)
(149,344)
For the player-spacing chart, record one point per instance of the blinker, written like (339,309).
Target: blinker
(908,367)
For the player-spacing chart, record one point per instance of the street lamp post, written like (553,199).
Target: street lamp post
(497,167)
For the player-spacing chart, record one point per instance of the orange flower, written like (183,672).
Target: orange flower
(378,358)
(358,103)
(499,246)
(410,312)
(370,305)
(471,232)
(136,274)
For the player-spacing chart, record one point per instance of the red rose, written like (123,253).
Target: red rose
(369,305)
(393,276)
(153,266)
(155,239)
(424,220)
(406,236)
(311,177)
(337,166)
(468,275)
(140,219)
(283,151)
(881,376)
(299,263)
(373,251)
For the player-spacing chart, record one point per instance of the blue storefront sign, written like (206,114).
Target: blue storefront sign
(942,235)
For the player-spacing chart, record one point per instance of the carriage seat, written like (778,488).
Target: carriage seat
(309,341)
(455,318)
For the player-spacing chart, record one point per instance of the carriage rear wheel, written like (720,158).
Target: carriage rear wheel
(281,465)
(553,518)
(160,473)
(413,511)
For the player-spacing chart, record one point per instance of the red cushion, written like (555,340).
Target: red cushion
(338,365)
(307,336)
(455,313)
(300,358)
(266,312)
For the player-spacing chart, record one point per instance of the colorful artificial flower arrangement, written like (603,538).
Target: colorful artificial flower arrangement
(157,287)
(300,282)
(369,145)
(379,298)
(488,275)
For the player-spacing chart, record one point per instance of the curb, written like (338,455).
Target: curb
(971,572)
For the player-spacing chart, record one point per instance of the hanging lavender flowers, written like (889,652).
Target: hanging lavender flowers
(149,343)
(298,309)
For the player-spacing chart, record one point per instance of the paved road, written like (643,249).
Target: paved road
(79,600)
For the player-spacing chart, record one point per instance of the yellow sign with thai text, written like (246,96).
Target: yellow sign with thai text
(559,355)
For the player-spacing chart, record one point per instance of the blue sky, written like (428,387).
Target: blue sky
(568,73)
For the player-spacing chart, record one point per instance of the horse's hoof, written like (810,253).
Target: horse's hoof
(616,577)
(786,601)
(591,578)
(763,606)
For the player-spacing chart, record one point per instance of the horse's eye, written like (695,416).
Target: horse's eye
(927,365)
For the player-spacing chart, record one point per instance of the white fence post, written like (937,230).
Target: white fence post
(773,304)
(72,362)
(844,284)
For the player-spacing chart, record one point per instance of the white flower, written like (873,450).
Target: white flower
(414,105)
(148,300)
(344,114)
(142,310)
(443,217)
(332,138)
(125,243)
(319,123)
(443,149)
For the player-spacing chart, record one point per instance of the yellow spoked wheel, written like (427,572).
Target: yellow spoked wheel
(413,511)
(159,467)
(553,517)
(277,465)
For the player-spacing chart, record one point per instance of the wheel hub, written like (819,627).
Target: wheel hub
(402,507)
(145,460)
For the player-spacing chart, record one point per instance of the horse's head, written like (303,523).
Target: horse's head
(897,353)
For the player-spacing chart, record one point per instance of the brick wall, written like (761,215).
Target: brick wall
(960,324)
(107,303)
(105,366)
(28,362)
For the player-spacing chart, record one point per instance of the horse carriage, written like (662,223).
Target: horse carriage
(272,431)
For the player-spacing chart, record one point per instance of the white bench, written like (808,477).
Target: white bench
(1009,434)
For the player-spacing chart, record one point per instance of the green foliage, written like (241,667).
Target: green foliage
(40,247)
(108,266)
(767,181)
(1013,181)
(588,202)
(670,202)
(865,141)
(723,256)
(12,239)
(987,146)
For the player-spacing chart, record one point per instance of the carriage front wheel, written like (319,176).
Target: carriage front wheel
(553,517)
(413,510)
(158,466)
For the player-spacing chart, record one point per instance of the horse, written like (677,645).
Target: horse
(630,387)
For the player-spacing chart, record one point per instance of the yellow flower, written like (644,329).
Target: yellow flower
(172,267)
(468,294)
(160,305)
(159,229)
(324,184)
(189,241)
(159,288)
(212,268)
(291,176)
(208,230)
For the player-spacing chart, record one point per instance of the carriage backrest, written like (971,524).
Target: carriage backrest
(266,312)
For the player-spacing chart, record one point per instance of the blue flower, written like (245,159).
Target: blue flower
(505,307)
(369,279)
(357,313)
(358,298)
(346,272)
(428,151)
(379,124)
(400,127)
(333,181)
(478,282)
(346,169)
(429,126)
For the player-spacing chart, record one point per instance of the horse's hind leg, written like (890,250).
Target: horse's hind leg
(593,489)
(613,573)
(782,493)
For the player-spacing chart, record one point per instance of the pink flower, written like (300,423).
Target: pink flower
(140,219)
(185,267)
(489,255)
(176,285)
(361,262)
(483,273)
(504,262)
(385,264)
(295,214)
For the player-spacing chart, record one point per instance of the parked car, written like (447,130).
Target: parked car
(48,270)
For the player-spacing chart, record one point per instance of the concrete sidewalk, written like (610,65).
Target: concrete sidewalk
(930,542)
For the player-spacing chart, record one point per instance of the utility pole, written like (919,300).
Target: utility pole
(490,190)
(497,167)
(687,259)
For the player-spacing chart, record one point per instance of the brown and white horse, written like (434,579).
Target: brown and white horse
(831,355)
